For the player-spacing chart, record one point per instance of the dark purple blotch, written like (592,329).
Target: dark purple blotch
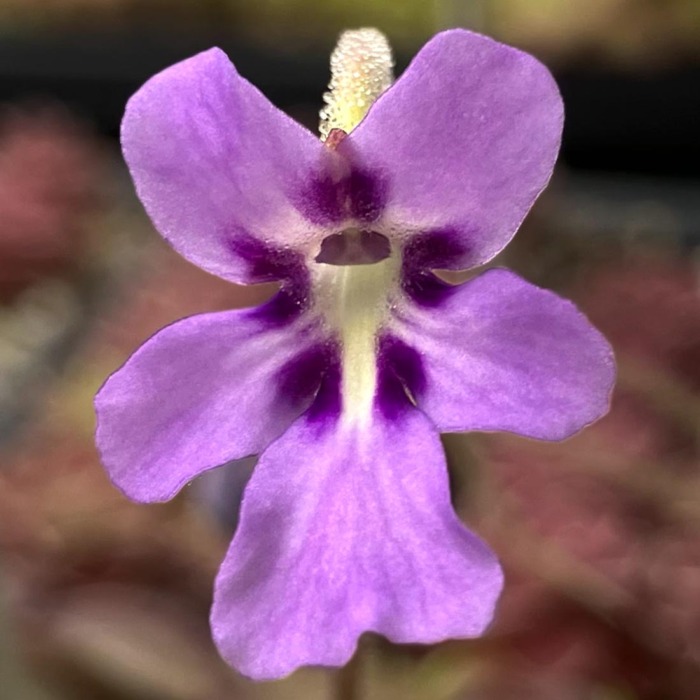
(328,403)
(291,300)
(441,248)
(401,377)
(300,377)
(321,201)
(366,195)
(358,195)
(312,378)
(267,263)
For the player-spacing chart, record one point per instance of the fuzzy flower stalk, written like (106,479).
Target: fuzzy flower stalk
(342,382)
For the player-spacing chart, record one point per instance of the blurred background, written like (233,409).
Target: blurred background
(600,535)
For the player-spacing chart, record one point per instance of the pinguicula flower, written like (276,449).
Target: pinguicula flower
(343,381)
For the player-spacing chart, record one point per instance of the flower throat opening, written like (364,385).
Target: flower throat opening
(354,247)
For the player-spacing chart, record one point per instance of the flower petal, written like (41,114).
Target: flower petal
(498,353)
(202,392)
(215,162)
(467,139)
(346,529)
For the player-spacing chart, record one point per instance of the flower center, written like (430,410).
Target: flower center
(355,272)
(354,300)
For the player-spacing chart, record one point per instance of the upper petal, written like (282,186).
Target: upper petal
(202,392)
(466,140)
(498,353)
(343,530)
(215,162)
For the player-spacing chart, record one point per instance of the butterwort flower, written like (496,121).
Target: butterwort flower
(343,381)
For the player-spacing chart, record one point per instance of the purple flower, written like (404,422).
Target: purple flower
(343,381)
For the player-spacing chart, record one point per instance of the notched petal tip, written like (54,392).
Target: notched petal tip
(346,530)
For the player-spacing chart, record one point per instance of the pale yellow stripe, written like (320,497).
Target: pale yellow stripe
(354,299)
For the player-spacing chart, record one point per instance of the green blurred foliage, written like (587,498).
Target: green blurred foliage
(295,23)
(624,32)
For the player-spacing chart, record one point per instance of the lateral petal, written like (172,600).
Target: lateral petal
(202,392)
(498,353)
